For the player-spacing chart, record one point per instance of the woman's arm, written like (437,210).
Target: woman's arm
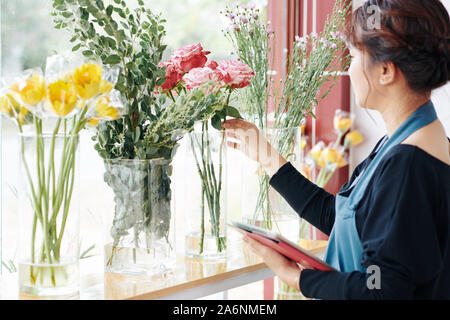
(311,202)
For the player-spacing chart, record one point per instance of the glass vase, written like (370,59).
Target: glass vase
(140,231)
(48,215)
(262,205)
(205,187)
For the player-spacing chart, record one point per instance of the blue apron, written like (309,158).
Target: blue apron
(344,251)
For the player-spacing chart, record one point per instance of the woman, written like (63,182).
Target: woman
(394,214)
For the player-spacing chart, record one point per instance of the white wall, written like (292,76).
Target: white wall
(373,130)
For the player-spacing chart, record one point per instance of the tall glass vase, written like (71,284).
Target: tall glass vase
(140,231)
(49,215)
(205,194)
(262,205)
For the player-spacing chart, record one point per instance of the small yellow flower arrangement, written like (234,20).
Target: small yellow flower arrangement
(333,157)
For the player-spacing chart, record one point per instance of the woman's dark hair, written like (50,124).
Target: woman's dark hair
(412,34)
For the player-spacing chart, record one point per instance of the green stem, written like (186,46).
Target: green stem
(338,140)
(327,178)
(170,95)
(212,181)
(41,184)
(51,169)
(203,172)
(68,195)
(319,179)
(66,160)
(202,223)
(51,174)
(202,178)
(34,203)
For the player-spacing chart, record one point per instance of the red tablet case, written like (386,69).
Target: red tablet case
(283,246)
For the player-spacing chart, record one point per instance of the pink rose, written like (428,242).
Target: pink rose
(189,57)
(172,76)
(235,73)
(198,76)
(212,65)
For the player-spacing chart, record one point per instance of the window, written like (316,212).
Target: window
(28,37)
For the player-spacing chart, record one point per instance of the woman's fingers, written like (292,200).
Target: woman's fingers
(233,141)
(231,134)
(233,145)
(258,248)
(232,123)
(272,258)
(235,124)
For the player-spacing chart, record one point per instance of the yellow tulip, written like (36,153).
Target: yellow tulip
(302,144)
(6,105)
(87,80)
(13,108)
(33,92)
(22,115)
(353,138)
(62,97)
(341,162)
(342,124)
(104,109)
(316,151)
(302,126)
(93,122)
(321,163)
(330,155)
(105,87)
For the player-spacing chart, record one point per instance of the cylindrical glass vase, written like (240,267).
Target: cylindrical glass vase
(49,216)
(262,205)
(140,232)
(205,187)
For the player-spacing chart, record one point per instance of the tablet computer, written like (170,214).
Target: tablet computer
(283,246)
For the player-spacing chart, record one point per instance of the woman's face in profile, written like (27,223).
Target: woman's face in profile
(359,78)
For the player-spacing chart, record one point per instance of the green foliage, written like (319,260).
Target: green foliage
(252,43)
(316,61)
(131,40)
(160,137)
(145,202)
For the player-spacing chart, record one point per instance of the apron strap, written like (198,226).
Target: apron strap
(422,117)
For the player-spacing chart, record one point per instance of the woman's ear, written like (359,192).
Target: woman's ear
(388,73)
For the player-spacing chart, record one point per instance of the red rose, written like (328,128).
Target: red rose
(172,76)
(212,65)
(236,74)
(189,57)
(198,76)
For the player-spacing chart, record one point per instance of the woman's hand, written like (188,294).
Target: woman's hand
(251,142)
(287,270)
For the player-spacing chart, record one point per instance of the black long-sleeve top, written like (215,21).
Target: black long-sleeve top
(403,223)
